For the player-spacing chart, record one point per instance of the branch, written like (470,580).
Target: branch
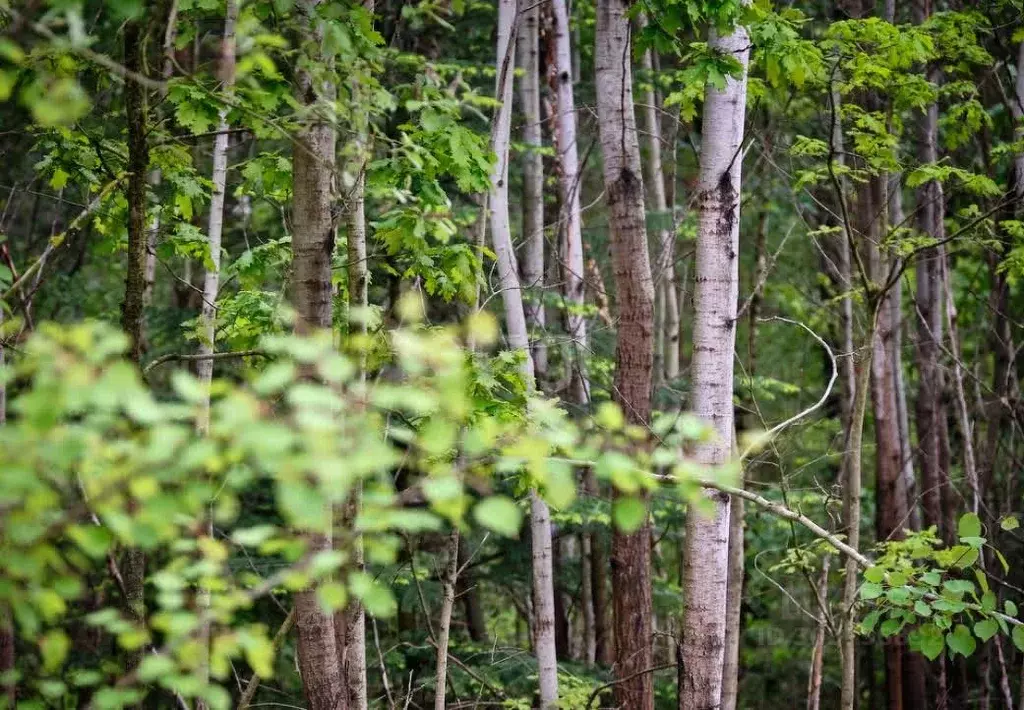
(57,240)
(824,397)
(601,688)
(183,357)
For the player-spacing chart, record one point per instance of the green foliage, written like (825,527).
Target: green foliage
(941,594)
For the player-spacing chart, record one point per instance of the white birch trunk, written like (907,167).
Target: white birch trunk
(714,337)
(515,324)
(527,52)
(668,332)
(445,622)
(215,228)
(570,220)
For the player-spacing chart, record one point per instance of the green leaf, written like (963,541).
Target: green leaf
(870,590)
(928,640)
(377,598)
(1018,637)
(969,525)
(874,574)
(499,514)
(961,641)
(629,514)
(870,620)
(54,647)
(986,629)
(1011,608)
(1010,522)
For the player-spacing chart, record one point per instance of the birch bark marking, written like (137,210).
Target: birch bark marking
(714,337)
(570,220)
(313,162)
(515,324)
(211,282)
(527,53)
(501,230)
(634,350)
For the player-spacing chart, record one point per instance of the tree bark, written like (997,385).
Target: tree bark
(350,622)
(851,521)
(532,268)
(313,164)
(444,624)
(714,337)
(634,351)
(570,226)
(133,566)
(518,339)
(215,227)
(818,650)
(665,271)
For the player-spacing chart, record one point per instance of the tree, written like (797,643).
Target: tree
(634,349)
(714,335)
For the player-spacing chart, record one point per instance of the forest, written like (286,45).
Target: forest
(513,354)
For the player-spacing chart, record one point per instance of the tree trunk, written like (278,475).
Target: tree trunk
(668,333)
(714,337)
(634,352)
(818,650)
(515,324)
(215,228)
(851,521)
(313,165)
(350,622)
(570,227)
(133,566)
(444,624)
(527,53)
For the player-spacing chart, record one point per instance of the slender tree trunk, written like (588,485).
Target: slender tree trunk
(851,521)
(444,624)
(570,232)
(634,352)
(962,410)
(313,165)
(714,337)
(133,566)
(136,109)
(211,280)
(155,175)
(668,333)
(515,324)
(570,226)
(350,622)
(215,228)
(818,650)
(929,411)
(532,268)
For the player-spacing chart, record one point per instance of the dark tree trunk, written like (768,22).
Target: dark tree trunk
(634,352)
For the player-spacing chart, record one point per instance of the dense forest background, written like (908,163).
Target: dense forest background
(498,353)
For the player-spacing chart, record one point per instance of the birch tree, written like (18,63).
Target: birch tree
(518,339)
(714,335)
